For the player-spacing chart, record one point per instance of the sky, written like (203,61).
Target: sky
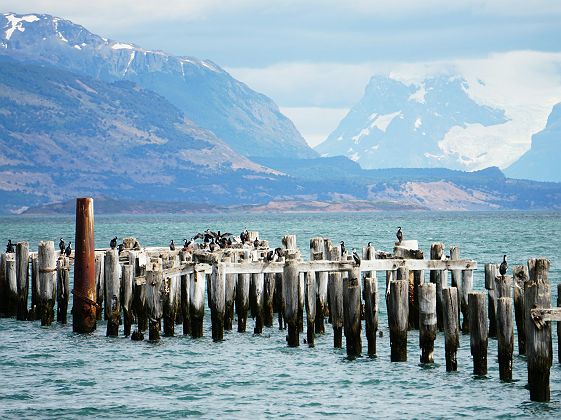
(314,58)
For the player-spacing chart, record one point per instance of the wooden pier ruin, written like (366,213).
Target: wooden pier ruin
(140,287)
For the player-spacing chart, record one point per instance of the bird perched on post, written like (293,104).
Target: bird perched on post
(10,247)
(503,267)
(256,243)
(113,243)
(343,249)
(356,258)
(171,246)
(61,246)
(68,250)
(399,234)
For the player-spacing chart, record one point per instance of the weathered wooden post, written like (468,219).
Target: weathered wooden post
(22,276)
(46,260)
(127,279)
(336,299)
(3,286)
(478,332)
(112,292)
(559,324)
(258,299)
(451,327)
(538,337)
(503,287)
(467,286)
(99,261)
(490,275)
(185,298)
(427,321)
(268,299)
(84,303)
(12,284)
(171,291)
(242,295)
(279,300)
(317,252)
(301,297)
(290,286)
(398,318)
(35,311)
(505,336)
(371,313)
(311,306)
(520,276)
(351,308)
(438,277)
(197,304)
(456,275)
(62,289)
(218,301)
(154,304)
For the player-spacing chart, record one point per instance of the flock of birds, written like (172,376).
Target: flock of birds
(217,240)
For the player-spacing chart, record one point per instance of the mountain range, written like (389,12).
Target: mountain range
(84,115)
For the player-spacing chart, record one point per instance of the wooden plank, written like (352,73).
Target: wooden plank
(542,315)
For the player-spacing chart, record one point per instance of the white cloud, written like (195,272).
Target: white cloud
(314,123)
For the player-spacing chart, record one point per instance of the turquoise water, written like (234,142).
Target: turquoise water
(50,372)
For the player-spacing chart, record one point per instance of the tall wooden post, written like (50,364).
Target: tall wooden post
(99,261)
(438,277)
(22,276)
(154,304)
(185,298)
(3,286)
(62,289)
(112,292)
(456,275)
(127,279)
(197,304)
(427,321)
(11,284)
(467,285)
(490,275)
(478,332)
(538,339)
(351,310)
(290,286)
(84,300)
(35,310)
(242,296)
(336,299)
(398,318)
(505,336)
(218,301)
(317,252)
(520,276)
(46,261)
(451,327)
(311,306)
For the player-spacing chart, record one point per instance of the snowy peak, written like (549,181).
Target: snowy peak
(396,124)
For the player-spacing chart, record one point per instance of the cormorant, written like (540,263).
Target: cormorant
(503,267)
(61,246)
(171,246)
(113,243)
(278,252)
(356,257)
(10,247)
(256,243)
(343,249)
(68,250)
(270,255)
(212,245)
(399,234)
(369,244)
(121,247)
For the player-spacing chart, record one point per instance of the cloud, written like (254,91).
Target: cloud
(313,122)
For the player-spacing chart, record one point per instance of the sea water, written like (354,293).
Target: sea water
(51,372)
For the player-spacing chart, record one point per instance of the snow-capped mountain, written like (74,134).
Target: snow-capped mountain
(247,121)
(541,162)
(396,124)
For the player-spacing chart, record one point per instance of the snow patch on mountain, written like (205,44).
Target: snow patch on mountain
(17,23)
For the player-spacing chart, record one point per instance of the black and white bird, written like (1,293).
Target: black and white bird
(61,246)
(171,246)
(68,249)
(503,267)
(399,234)
(356,258)
(343,249)
(10,247)
(113,243)
(256,243)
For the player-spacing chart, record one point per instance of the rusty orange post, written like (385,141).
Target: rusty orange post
(84,299)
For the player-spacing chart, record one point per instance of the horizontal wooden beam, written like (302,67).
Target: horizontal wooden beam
(542,315)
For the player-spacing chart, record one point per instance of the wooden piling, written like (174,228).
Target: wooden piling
(46,261)
(456,275)
(490,275)
(559,324)
(3,286)
(371,313)
(185,297)
(268,297)
(35,310)
(242,296)
(335,287)
(451,327)
(427,321)
(538,337)
(478,332)
(258,280)
(311,300)
(279,301)
(301,297)
(62,289)
(112,297)
(503,287)
(171,292)
(197,304)
(84,305)
(505,336)
(520,276)
(218,301)
(99,261)
(467,286)
(154,304)
(317,252)
(438,277)
(127,279)
(351,311)
(12,285)
(22,277)
(290,286)
(398,318)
